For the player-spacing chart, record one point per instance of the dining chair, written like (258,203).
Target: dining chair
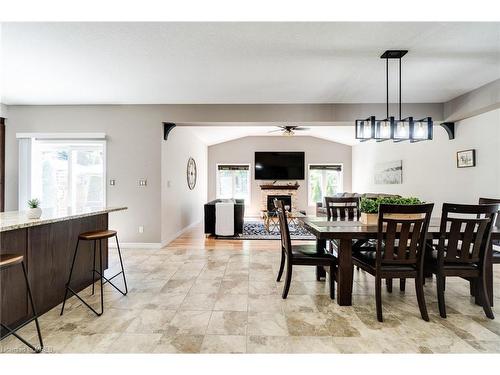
(461,251)
(399,251)
(342,208)
(303,255)
(495,256)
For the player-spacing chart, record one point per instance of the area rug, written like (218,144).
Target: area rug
(255,230)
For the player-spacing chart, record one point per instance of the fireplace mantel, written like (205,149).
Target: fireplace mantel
(279,187)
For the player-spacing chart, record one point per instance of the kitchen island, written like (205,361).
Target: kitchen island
(47,245)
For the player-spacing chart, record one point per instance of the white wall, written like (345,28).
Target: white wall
(242,151)
(181,207)
(429,168)
(134,136)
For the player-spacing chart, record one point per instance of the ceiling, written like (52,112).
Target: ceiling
(213,134)
(169,63)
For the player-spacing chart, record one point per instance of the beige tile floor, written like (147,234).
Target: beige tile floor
(202,295)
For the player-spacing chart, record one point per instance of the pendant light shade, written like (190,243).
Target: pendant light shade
(403,129)
(365,129)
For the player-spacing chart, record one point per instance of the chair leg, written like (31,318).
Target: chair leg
(93,269)
(378,297)
(288,278)
(472,287)
(332,282)
(440,294)
(121,263)
(282,266)
(485,298)
(69,278)
(33,309)
(388,283)
(402,285)
(419,287)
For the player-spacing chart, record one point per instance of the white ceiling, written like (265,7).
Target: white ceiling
(214,134)
(125,63)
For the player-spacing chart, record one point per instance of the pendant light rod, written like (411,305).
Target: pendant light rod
(400,89)
(387,87)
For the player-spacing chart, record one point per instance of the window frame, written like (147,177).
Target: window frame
(309,202)
(26,159)
(249,165)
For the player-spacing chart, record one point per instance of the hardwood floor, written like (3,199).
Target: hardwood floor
(207,295)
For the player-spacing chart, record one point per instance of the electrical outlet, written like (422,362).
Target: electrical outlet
(112,182)
(141,229)
(143,182)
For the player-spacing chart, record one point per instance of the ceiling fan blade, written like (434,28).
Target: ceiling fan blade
(301,128)
(274,131)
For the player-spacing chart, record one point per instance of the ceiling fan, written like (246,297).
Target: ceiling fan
(289,130)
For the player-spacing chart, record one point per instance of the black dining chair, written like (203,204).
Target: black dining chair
(300,255)
(465,233)
(342,208)
(399,251)
(495,256)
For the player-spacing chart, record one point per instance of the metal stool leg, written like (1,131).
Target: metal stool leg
(35,315)
(121,263)
(102,275)
(68,288)
(93,269)
(69,279)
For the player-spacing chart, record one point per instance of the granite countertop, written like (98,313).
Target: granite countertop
(12,220)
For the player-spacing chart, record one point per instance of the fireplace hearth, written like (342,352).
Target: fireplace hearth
(287,201)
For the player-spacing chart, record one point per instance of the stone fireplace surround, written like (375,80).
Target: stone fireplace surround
(277,189)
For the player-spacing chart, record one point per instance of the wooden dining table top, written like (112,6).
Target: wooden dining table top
(323,228)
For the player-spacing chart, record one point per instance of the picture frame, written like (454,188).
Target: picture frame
(466,158)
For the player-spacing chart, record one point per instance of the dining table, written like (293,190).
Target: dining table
(347,231)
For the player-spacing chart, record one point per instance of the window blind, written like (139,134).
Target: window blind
(326,167)
(232,167)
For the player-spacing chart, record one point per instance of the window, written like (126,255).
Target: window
(324,181)
(63,173)
(233,181)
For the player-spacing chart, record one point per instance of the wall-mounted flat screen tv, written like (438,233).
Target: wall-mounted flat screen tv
(279,165)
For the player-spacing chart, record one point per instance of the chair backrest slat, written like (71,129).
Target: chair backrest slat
(465,232)
(286,243)
(401,234)
(342,208)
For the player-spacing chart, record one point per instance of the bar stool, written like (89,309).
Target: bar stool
(7,261)
(96,236)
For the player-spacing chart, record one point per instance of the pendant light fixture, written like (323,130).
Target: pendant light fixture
(401,129)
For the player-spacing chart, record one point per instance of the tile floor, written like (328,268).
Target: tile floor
(202,295)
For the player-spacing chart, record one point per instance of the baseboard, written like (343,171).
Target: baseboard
(180,233)
(136,245)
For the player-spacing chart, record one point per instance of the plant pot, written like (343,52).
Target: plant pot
(369,219)
(34,213)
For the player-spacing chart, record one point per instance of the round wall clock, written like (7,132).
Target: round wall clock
(191,173)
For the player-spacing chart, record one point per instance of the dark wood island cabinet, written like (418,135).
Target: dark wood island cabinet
(47,245)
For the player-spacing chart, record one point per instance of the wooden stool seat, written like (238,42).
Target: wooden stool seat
(97,235)
(7,260)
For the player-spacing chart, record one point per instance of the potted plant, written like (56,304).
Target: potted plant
(369,208)
(34,211)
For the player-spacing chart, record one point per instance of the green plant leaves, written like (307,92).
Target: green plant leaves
(370,206)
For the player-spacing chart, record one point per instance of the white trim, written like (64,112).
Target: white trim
(248,202)
(62,135)
(313,204)
(135,245)
(180,233)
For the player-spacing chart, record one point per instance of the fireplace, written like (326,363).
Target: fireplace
(287,201)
